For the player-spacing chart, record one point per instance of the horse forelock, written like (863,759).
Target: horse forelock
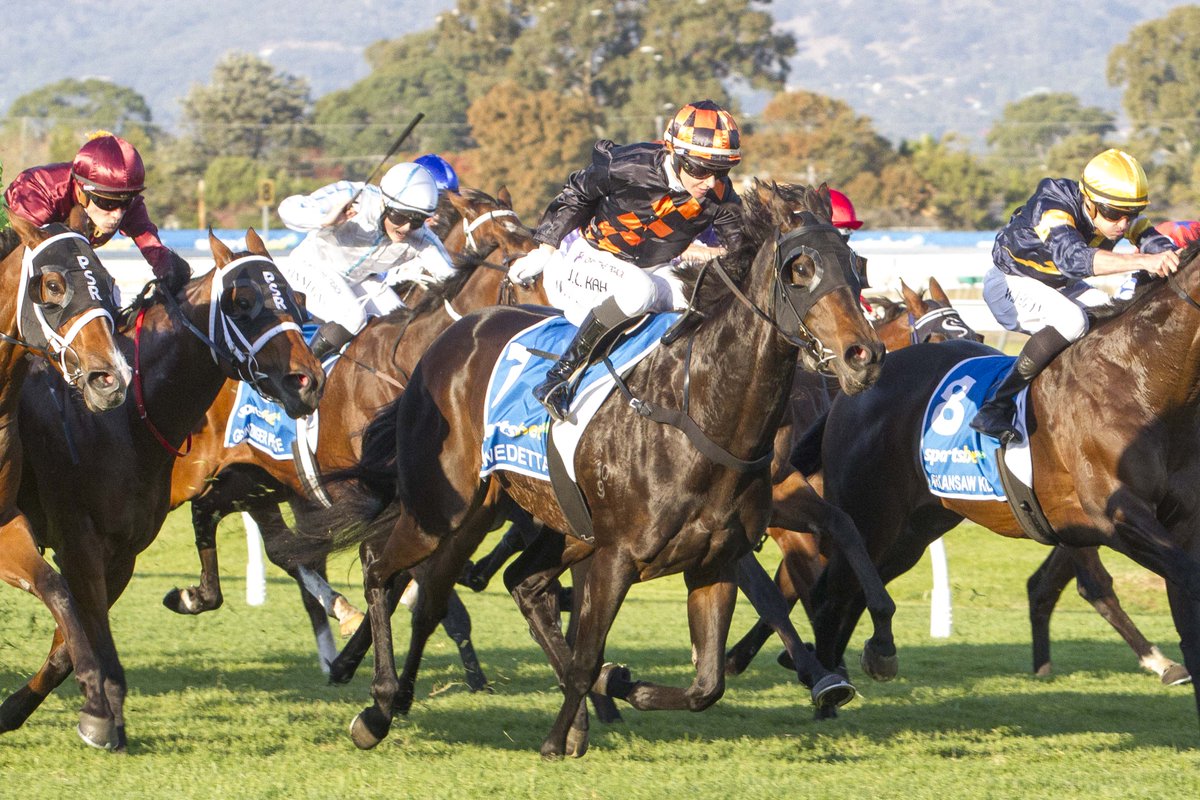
(8,242)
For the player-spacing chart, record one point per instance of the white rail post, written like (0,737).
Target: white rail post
(940,612)
(256,570)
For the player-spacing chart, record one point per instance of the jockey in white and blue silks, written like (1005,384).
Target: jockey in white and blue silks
(355,250)
(1064,234)
(638,207)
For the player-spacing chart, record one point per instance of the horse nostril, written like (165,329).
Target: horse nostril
(101,380)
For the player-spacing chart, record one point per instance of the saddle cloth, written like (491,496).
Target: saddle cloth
(959,462)
(516,424)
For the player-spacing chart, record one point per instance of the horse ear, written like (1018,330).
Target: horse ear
(255,244)
(77,220)
(31,235)
(824,199)
(936,292)
(504,197)
(460,203)
(911,298)
(222,255)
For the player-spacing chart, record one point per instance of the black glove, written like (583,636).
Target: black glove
(174,274)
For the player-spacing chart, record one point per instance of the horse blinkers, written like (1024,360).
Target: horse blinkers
(242,300)
(803,275)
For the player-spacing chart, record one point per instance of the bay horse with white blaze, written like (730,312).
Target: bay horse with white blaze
(98,486)
(56,300)
(1114,441)
(658,506)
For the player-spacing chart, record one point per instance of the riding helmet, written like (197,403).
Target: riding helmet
(704,133)
(843,211)
(443,174)
(1115,178)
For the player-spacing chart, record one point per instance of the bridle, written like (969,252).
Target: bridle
(946,321)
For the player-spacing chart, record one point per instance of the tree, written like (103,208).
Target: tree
(1159,66)
(529,141)
(806,137)
(82,105)
(1031,128)
(248,110)
(965,194)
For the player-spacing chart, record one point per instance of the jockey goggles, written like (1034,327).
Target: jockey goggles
(399,217)
(700,171)
(110,202)
(1114,214)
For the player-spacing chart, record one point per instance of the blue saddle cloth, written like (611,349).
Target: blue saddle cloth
(262,423)
(515,424)
(960,462)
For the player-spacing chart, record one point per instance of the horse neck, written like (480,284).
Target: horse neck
(481,290)
(14,365)
(1158,343)
(180,380)
(742,370)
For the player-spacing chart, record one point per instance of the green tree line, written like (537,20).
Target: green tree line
(515,92)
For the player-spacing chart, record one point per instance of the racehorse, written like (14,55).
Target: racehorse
(799,516)
(98,486)
(1114,468)
(372,371)
(56,300)
(657,506)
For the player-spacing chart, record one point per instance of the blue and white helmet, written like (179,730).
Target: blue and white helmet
(410,187)
(443,174)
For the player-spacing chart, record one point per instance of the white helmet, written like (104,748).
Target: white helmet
(410,187)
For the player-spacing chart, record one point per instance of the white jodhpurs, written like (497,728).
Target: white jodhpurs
(584,277)
(331,298)
(1027,305)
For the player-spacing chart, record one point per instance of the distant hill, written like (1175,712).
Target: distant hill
(913,67)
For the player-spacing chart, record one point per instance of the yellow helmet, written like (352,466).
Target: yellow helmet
(1116,179)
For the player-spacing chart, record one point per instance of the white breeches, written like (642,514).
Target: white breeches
(331,298)
(1027,305)
(584,277)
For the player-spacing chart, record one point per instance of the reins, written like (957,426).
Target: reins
(139,394)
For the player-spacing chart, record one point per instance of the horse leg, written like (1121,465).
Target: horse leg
(343,667)
(829,689)
(608,580)
(22,566)
(457,624)
(479,574)
(207,512)
(1043,589)
(1185,611)
(1095,585)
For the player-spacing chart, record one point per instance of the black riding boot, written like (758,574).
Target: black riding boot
(330,338)
(997,416)
(557,390)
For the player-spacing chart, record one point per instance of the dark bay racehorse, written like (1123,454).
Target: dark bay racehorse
(658,506)
(97,486)
(371,373)
(802,524)
(1114,445)
(70,297)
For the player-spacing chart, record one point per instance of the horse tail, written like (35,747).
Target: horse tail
(806,452)
(364,498)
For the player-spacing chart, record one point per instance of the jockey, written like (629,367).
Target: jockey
(1182,233)
(361,239)
(639,206)
(106,179)
(1063,234)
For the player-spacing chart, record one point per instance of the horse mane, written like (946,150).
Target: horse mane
(765,208)
(1101,314)
(885,310)
(438,293)
(447,217)
(9,240)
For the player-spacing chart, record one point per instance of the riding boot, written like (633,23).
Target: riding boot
(997,417)
(330,338)
(557,390)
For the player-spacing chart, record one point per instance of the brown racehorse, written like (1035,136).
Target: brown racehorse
(665,509)
(372,372)
(799,516)
(1111,467)
(68,285)
(97,487)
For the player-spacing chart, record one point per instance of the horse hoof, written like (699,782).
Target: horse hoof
(348,626)
(1176,675)
(832,692)
(606,709)
(361,734)
(784,659)
(879,667)
(98,732)
(614,680)
(577,743)
(478,682)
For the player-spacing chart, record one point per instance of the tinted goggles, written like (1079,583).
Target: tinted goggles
(1114,214)
(700,171)
(108,203)
(399,217)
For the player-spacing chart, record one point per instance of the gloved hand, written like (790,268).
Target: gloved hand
(530,265)
(174,274)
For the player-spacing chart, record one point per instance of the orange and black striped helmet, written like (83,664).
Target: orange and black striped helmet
(704,133)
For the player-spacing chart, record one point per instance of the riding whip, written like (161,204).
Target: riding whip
(391,152)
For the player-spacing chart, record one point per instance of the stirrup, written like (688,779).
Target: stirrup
(556,399)
(994,420)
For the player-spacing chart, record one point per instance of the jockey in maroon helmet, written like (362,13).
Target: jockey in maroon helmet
(106,179)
